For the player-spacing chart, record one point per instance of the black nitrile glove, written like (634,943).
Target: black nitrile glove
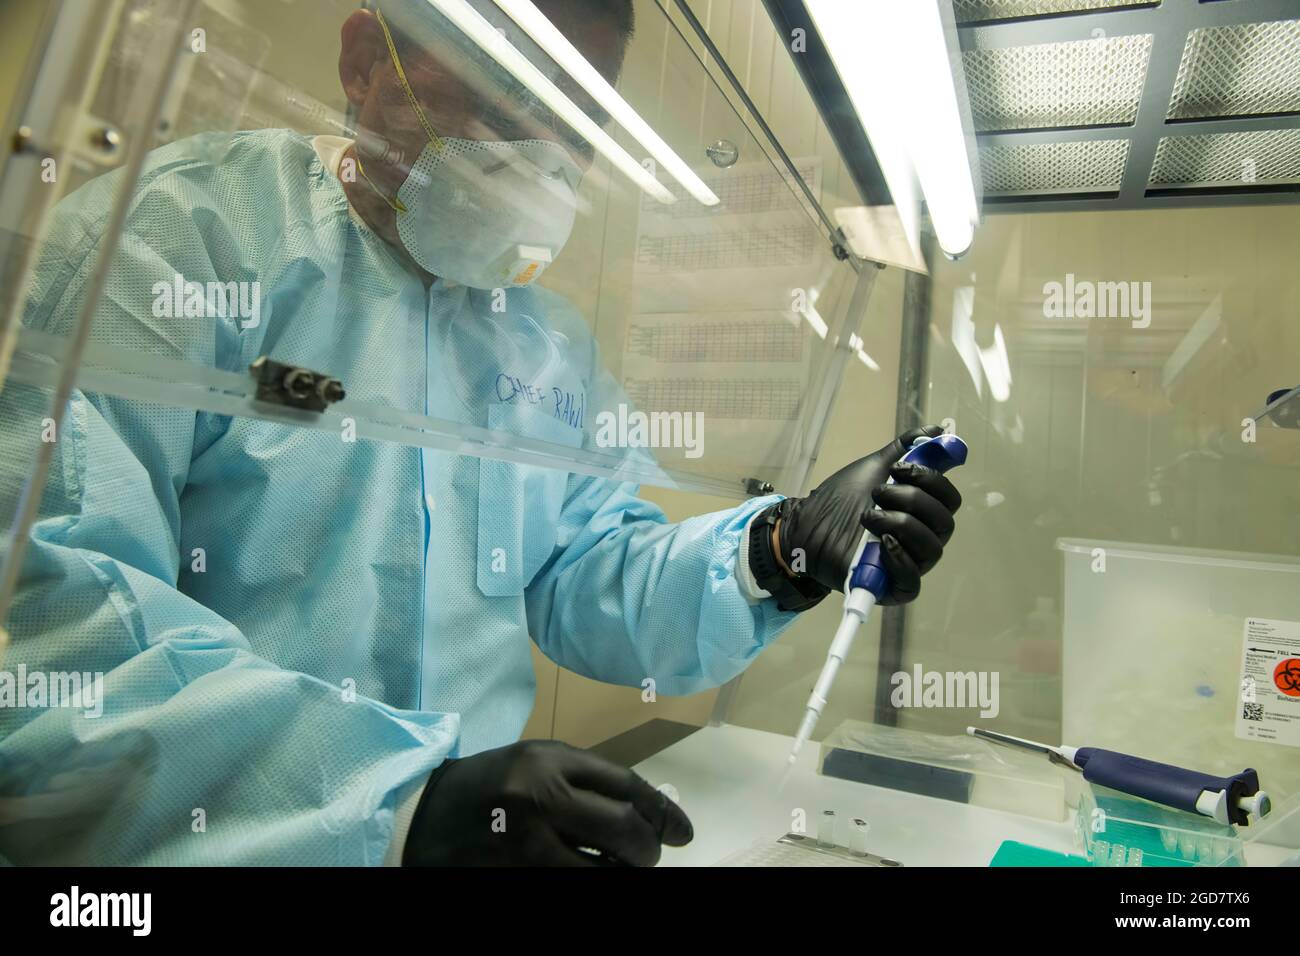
(913,519)
(541,803)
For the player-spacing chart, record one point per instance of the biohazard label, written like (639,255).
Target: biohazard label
(1270,682)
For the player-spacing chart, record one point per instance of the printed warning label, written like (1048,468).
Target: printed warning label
(1270,682)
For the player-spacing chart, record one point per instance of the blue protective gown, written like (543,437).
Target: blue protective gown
(294,630)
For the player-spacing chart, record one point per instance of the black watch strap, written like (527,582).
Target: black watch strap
(791,594)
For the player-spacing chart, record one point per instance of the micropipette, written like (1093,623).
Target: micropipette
(867,582)
(1232,799)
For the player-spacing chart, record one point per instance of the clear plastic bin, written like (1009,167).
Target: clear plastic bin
(1115,829)
(958,768)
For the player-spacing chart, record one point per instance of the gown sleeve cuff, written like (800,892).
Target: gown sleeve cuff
(402,817)
(744,575)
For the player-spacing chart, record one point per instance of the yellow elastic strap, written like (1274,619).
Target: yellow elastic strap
(394,203)
(434,138)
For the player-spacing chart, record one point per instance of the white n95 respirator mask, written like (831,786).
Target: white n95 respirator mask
(488,214)
(485,214)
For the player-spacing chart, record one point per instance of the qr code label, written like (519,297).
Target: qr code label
(1253,712)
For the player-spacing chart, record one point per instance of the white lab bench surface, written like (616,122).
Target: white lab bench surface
(727,778)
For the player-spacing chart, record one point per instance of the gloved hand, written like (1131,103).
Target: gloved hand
(541,803)
(913,518)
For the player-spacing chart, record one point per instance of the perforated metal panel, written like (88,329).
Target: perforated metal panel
(1092,166)
(1261,158)
(1110,104)
(974,11)
(1243,70)
(1052,85)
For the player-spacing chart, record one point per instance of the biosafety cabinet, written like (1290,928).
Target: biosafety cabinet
(1119,344)
(175,233)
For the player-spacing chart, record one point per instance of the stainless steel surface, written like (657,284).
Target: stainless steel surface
(1013,741)
(838,852)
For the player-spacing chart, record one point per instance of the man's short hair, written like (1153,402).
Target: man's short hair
(622,11)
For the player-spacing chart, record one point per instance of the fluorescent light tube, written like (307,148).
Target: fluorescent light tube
(939,145)
(486,36)
(557,46)
(898,69)
(869,63)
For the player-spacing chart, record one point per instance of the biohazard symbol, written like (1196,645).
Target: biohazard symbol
(1286,676)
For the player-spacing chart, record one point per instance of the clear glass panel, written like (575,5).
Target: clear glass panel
(63,138)
(342,569)
(587,712)
(474,267)
(1126,519)
(1126,568)
(773,691)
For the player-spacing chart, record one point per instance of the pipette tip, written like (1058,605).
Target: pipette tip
(787,772)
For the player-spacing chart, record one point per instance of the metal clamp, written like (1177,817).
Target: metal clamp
(105,138)
(295,386)
(24,141)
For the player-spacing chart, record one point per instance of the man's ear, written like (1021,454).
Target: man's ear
(363,45)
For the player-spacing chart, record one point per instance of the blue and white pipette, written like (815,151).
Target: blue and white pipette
(867,583)
(1235,799)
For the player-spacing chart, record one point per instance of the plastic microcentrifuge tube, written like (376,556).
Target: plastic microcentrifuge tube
(1204,850)
(1100,852)
(826,828)
(1187,846)
(1169,840)
(1135,856)
(1220,850)
(1118,854)
(858,836)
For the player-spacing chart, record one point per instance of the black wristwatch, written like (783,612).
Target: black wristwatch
(792,594)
